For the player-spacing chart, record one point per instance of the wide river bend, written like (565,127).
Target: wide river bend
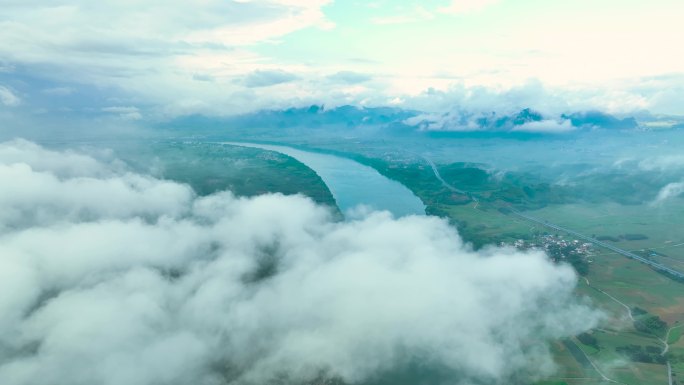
(351,183)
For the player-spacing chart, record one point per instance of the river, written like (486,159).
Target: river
(351,183)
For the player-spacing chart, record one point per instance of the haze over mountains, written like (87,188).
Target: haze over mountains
(317,116)
(138,247)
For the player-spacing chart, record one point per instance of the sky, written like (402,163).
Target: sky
(163,59)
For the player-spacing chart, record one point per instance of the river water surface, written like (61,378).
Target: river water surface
(351,183)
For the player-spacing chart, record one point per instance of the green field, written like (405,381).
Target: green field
(627,281)
(662,225)
(675,335)
(614,283)
(210,167)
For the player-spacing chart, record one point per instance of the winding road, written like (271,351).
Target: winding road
(548,224)
(629,309)
(618,250)
(447,185)
(628,254)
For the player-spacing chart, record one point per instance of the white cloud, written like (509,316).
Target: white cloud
(151,50)
(66,164)
(662,163)
(503,100)
(109,277)
(293,16)
(124,112)
(160,53)
(483,108)
(154,28)
(546,127)
(669,191)
(9,98)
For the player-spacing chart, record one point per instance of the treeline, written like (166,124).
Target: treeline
(651,324)
(647,355)
(626,237)
(589,340)
(569,254)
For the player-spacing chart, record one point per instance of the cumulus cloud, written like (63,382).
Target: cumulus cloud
(662,163)
(525,120)
(111,277)
(65,164)
(163,54)
(546,127)
(9,98)
(149,51)
(175,24)
(460,98)
(671,190)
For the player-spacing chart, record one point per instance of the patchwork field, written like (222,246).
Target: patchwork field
(630,227)
(617,285)
(621,287)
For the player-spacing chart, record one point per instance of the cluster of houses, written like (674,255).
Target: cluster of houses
(555,246)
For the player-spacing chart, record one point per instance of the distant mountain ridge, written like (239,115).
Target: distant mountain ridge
(313,116)
(317,116)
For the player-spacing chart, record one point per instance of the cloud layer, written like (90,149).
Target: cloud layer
(671,190)
(172,58)
(8,98)
(111,277)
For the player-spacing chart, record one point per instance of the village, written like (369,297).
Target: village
(559,249)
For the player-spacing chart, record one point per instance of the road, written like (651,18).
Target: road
(570,344)
(618,250)
(666,345)
(627,254)
(447,185)
(629,309)
(666,348)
